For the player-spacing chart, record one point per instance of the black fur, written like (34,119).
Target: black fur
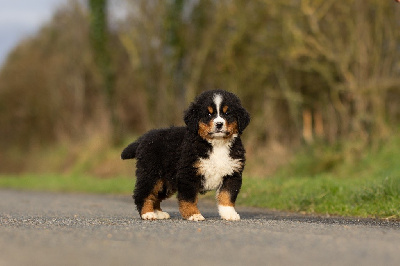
(170,154)
(130,151)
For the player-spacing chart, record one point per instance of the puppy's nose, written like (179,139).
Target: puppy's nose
(219,125)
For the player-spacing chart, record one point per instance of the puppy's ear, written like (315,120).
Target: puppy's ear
(191,117)
(243,119)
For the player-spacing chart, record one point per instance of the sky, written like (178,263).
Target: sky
(22,18)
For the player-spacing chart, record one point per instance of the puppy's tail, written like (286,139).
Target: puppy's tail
(130,151)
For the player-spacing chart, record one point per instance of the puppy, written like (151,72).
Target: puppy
(207,154)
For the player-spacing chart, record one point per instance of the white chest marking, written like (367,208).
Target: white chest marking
(217,165)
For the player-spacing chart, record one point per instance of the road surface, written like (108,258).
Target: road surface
(74,229)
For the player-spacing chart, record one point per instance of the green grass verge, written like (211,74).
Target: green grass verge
(373,197)
(321,180)
(68,183)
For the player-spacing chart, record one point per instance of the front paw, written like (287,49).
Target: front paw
(161,215)
(196,217)
(149,216)
(228,213)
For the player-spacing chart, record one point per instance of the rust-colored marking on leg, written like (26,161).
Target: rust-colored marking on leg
(187,208)
(224,199)
(152,202)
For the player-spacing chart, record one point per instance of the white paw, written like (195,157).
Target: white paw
(162,215)
(196,217)
(228,213)
(149,216)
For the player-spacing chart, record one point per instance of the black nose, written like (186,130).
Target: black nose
(219,125)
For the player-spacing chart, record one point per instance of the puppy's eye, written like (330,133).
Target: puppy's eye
(209,114)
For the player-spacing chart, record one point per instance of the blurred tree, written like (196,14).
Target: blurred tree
(45,84)
(351,48)
(99,37)
(175,43)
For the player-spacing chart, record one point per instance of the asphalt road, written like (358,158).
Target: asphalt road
(74,229)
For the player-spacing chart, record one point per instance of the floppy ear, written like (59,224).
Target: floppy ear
(243,119)
(191,117)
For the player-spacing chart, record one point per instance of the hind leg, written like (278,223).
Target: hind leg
(159,212)
(147,198)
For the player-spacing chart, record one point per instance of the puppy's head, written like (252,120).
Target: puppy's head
(217,114)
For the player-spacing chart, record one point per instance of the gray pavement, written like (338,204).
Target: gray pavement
(75,229)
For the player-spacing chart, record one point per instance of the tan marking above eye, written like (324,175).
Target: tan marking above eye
(225,109)
(210,109)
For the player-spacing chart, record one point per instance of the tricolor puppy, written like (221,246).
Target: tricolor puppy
(205,155)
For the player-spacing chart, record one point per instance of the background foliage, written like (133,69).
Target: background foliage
(309,71)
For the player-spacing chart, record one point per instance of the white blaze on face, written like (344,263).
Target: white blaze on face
(218,100)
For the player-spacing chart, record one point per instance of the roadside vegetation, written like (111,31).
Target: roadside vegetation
(369,187)
(320,180)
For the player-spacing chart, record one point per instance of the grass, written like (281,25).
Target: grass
(68,183)
(325,194)
(319,180)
